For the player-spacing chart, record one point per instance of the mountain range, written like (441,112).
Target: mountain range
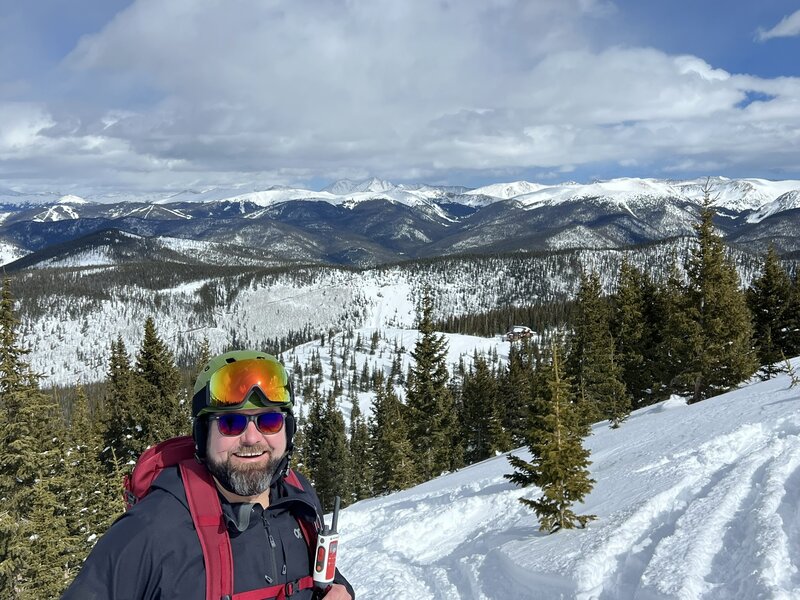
(376,222)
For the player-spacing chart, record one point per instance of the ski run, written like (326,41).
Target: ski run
(693,502)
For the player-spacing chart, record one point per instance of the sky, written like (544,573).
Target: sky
(105,95)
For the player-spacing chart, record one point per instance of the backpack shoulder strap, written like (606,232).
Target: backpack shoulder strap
(309,529)
(201,495)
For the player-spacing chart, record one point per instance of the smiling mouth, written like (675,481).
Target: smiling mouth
(250,454)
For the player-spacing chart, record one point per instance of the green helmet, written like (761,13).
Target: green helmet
(238,380)
(242,379)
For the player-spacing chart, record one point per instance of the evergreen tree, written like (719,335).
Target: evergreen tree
(332,477)
(433,421)
(560,463)
(592,362)
(122,410)
(203,357)
(515,391)
(360,455)
(94,492)
(13,368)
(769,298)
(31,457)
(394,467)
(312,432)
(482,430)
(720,333)
(164,414)
(628,328)
(792,317)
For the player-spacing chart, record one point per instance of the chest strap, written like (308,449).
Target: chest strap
(281,591)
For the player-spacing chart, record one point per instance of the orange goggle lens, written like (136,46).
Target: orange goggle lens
(231,385)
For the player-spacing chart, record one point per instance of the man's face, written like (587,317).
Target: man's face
(245,463)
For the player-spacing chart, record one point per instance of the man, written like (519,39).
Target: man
(242,429)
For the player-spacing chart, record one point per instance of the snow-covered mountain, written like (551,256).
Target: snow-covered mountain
(373,222)
(692,502)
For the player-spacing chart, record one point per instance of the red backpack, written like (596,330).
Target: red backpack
(206,511)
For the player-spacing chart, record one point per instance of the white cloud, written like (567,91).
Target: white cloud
(789,26)
(181,92)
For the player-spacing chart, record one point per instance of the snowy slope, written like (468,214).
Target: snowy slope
(9,252)
(693,502)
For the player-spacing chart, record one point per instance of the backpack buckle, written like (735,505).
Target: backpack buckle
(288,589)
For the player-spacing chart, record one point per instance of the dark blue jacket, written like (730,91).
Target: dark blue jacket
(153,553)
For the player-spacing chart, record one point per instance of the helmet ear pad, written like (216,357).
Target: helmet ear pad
(291,428)
(200,436)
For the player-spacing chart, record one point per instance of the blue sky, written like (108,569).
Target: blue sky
(105,95)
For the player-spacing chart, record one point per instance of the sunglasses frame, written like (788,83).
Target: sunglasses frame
(250,419)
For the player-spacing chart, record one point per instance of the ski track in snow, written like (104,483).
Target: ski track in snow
(680,543)
(693,502)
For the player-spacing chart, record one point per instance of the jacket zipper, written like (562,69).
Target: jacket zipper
(272,547)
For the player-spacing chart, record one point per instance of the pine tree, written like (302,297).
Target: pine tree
(123,411)
(394,466)
(514,387)
(94,491)
(592,362)
(164,414)
(203,356)
(31,457)
(629,330)
(560,463)
(333,475)
(792,317)
(482,429)
(720,332)
(433,421)
(360,455)
(769,298)
(311,456)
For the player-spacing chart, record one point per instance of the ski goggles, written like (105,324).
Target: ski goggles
(233,424)
(231,386)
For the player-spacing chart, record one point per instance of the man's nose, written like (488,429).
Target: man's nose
(251,434)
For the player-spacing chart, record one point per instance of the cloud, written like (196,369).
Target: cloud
(181,93)
(788,27)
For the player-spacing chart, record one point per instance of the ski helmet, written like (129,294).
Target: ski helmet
(241,379)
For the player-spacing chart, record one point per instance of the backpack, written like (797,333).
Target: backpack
(206,511)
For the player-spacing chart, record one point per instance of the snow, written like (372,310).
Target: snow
(10,253)
(506,190)
(693,502)
(787,201)
(72,199)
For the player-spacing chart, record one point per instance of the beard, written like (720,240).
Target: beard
(244,479)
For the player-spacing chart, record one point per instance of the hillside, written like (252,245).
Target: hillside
(692,502)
